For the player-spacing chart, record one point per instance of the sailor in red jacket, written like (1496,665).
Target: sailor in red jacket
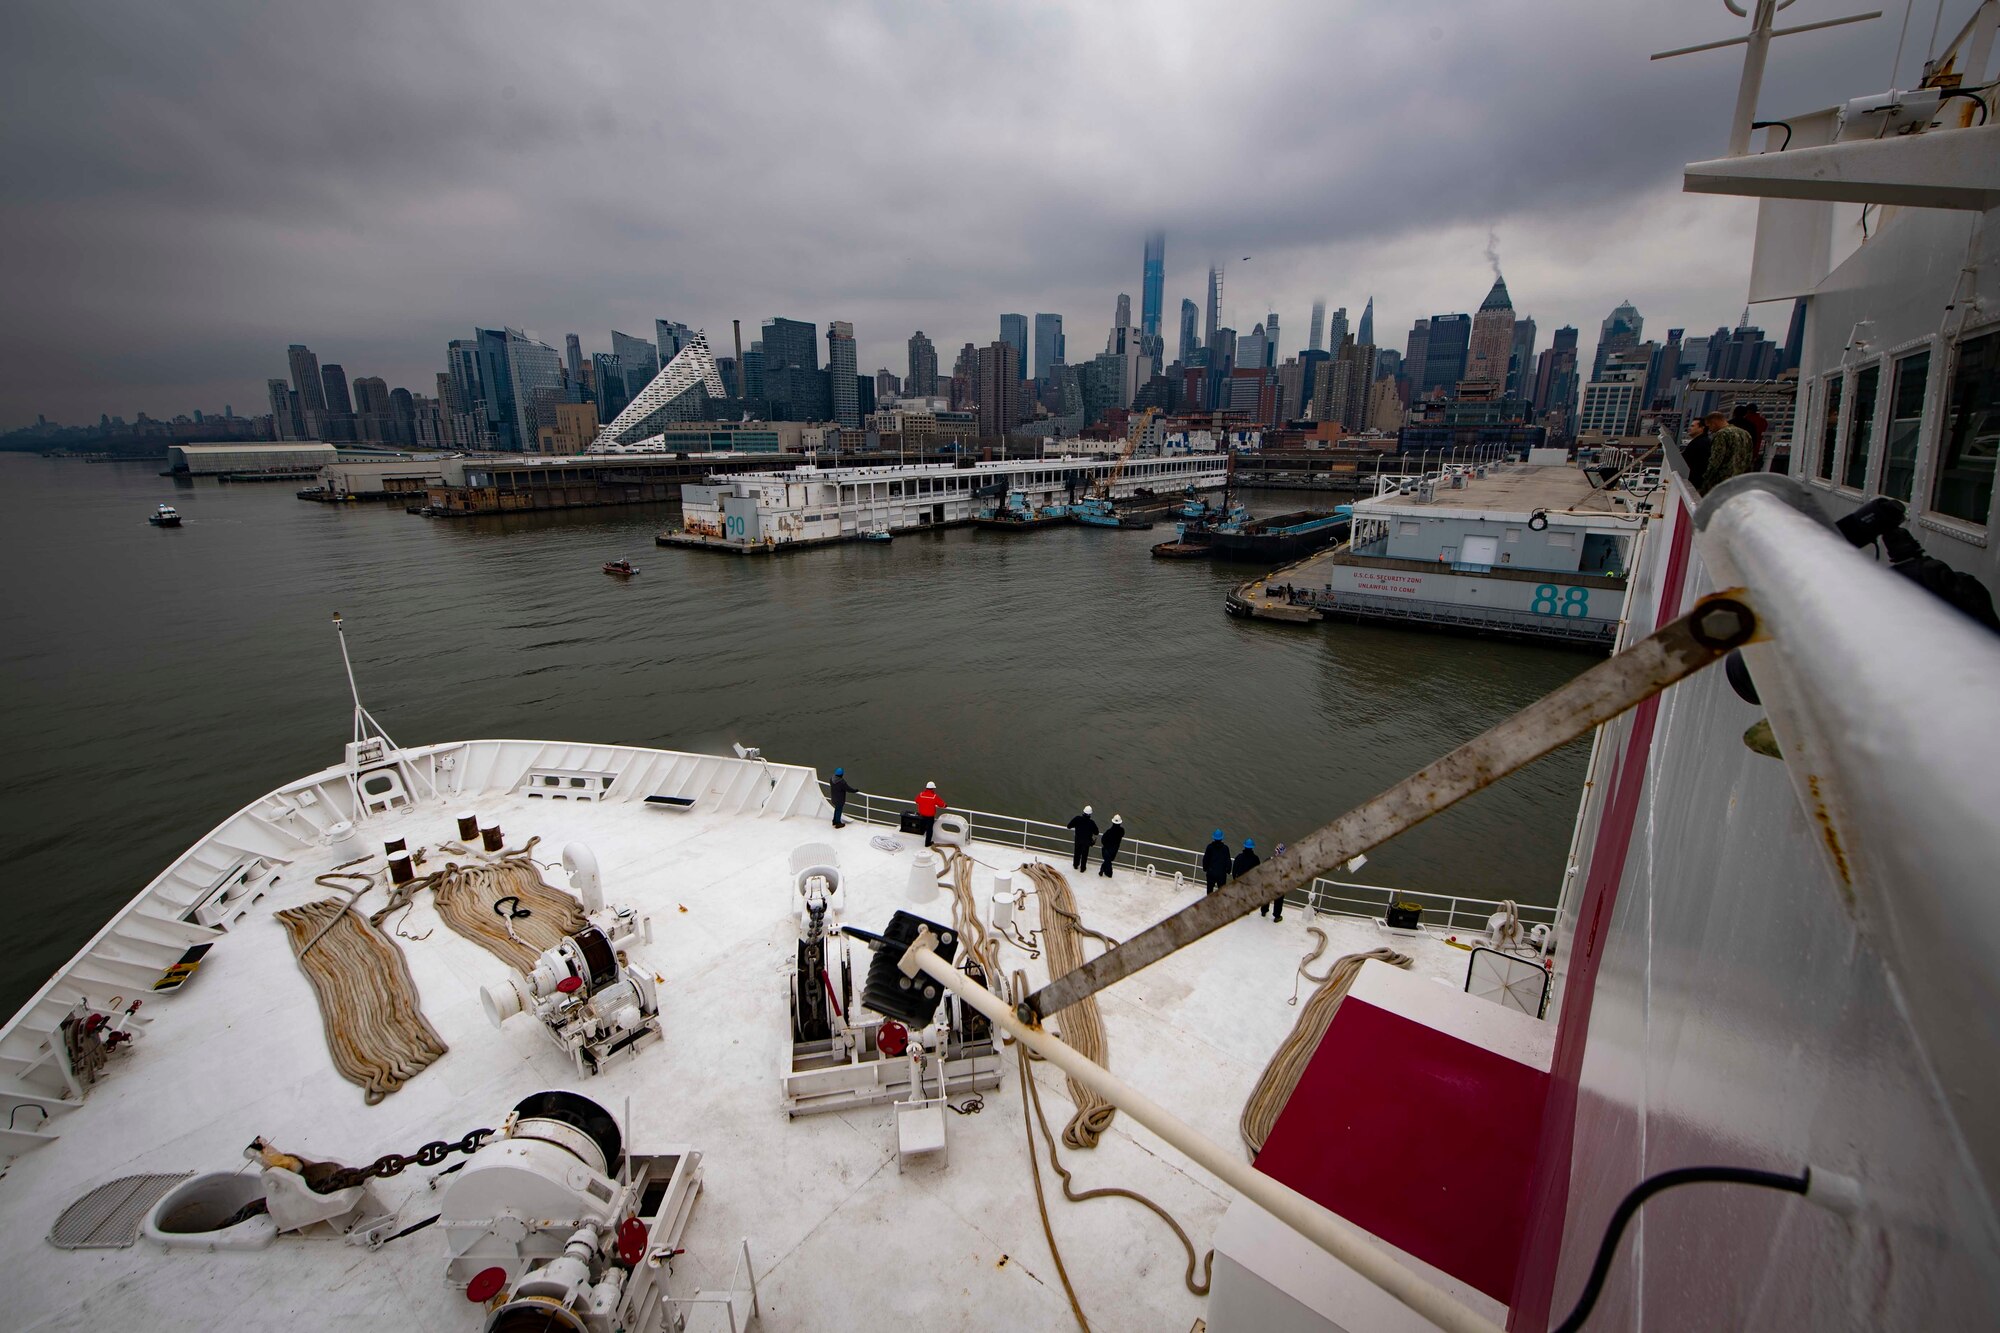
(929,806)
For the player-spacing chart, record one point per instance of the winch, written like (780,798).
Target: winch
(594,1006)
(556,1225)
(592,1003)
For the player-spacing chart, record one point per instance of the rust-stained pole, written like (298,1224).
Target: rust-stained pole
(1717,624)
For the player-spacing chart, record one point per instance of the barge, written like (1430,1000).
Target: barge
(1282,536)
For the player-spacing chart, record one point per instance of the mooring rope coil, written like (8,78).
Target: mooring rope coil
(368,1003)
(465,896)
(1281,1076)
(1081,1024)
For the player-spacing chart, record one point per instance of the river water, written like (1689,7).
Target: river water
(157,680)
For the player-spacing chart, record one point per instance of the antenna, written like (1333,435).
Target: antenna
(363,719)
(1756,45)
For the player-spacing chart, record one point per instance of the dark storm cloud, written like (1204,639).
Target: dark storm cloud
(189,188)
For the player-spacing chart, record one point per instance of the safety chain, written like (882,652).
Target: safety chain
(393,1164)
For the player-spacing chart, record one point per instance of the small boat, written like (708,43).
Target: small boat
(1183,550)
(622,568)
(878,535)
(166,516)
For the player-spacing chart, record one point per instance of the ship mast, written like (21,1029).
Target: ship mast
(1756,46)
(363,719)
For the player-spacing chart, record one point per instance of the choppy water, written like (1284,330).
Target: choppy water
(155,681)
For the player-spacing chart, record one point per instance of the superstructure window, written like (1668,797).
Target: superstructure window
(1971,435)
(1861,426)
(1906,417)
(1829,434)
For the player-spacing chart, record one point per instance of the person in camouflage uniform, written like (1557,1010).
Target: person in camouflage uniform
(1731,452)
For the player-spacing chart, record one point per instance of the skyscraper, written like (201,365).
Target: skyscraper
(1336,329)
(1492,338)
(496,391)
(373,422)
(532,366)
(840,373)
(638,361)
(333,380)
(1049,350)
(1318,327)
(1129,345)
(998,388)
(792,381)
(671,337)
(573,359)
(1416,352)
(1014,329)
(337,422)
(1251,349)
(284,424)
(305,378)
(1521,359)
(1556,381)
(1619,333)
(608,378)
(1214,312)
(1445,352)
(1366,332)
(1190,327)
(1271,341)
(922,381)
(1152,284)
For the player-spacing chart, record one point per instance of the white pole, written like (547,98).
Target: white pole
(353,691)
(1338,1237)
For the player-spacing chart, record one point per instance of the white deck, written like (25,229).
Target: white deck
(838,1237)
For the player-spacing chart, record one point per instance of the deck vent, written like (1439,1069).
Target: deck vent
(108,1218)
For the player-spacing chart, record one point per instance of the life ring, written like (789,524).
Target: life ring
(1538,520)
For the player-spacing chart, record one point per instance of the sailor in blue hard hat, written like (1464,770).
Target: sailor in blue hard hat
(1215,862)
(838,790)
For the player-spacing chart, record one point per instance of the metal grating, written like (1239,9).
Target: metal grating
(108,1217)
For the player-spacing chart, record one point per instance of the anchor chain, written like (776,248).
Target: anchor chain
(394,1164)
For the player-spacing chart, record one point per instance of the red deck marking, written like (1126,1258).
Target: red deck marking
(1417,1136)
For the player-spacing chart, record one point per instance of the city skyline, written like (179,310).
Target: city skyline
(389,237)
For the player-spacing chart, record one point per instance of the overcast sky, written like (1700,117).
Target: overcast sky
(190,186)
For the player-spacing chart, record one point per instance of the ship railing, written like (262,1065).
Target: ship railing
(1030,835)
(1328,897)
(1448,912)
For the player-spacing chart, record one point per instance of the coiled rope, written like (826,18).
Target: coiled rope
(1081,1025)
(368,1003)
(1281,1076)
(465,896)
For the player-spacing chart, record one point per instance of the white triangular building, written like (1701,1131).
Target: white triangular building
(680,392)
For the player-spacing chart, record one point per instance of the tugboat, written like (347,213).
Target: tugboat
(1099,512)
(166,516)
(1200,524)
(621,567)
(1013,515)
